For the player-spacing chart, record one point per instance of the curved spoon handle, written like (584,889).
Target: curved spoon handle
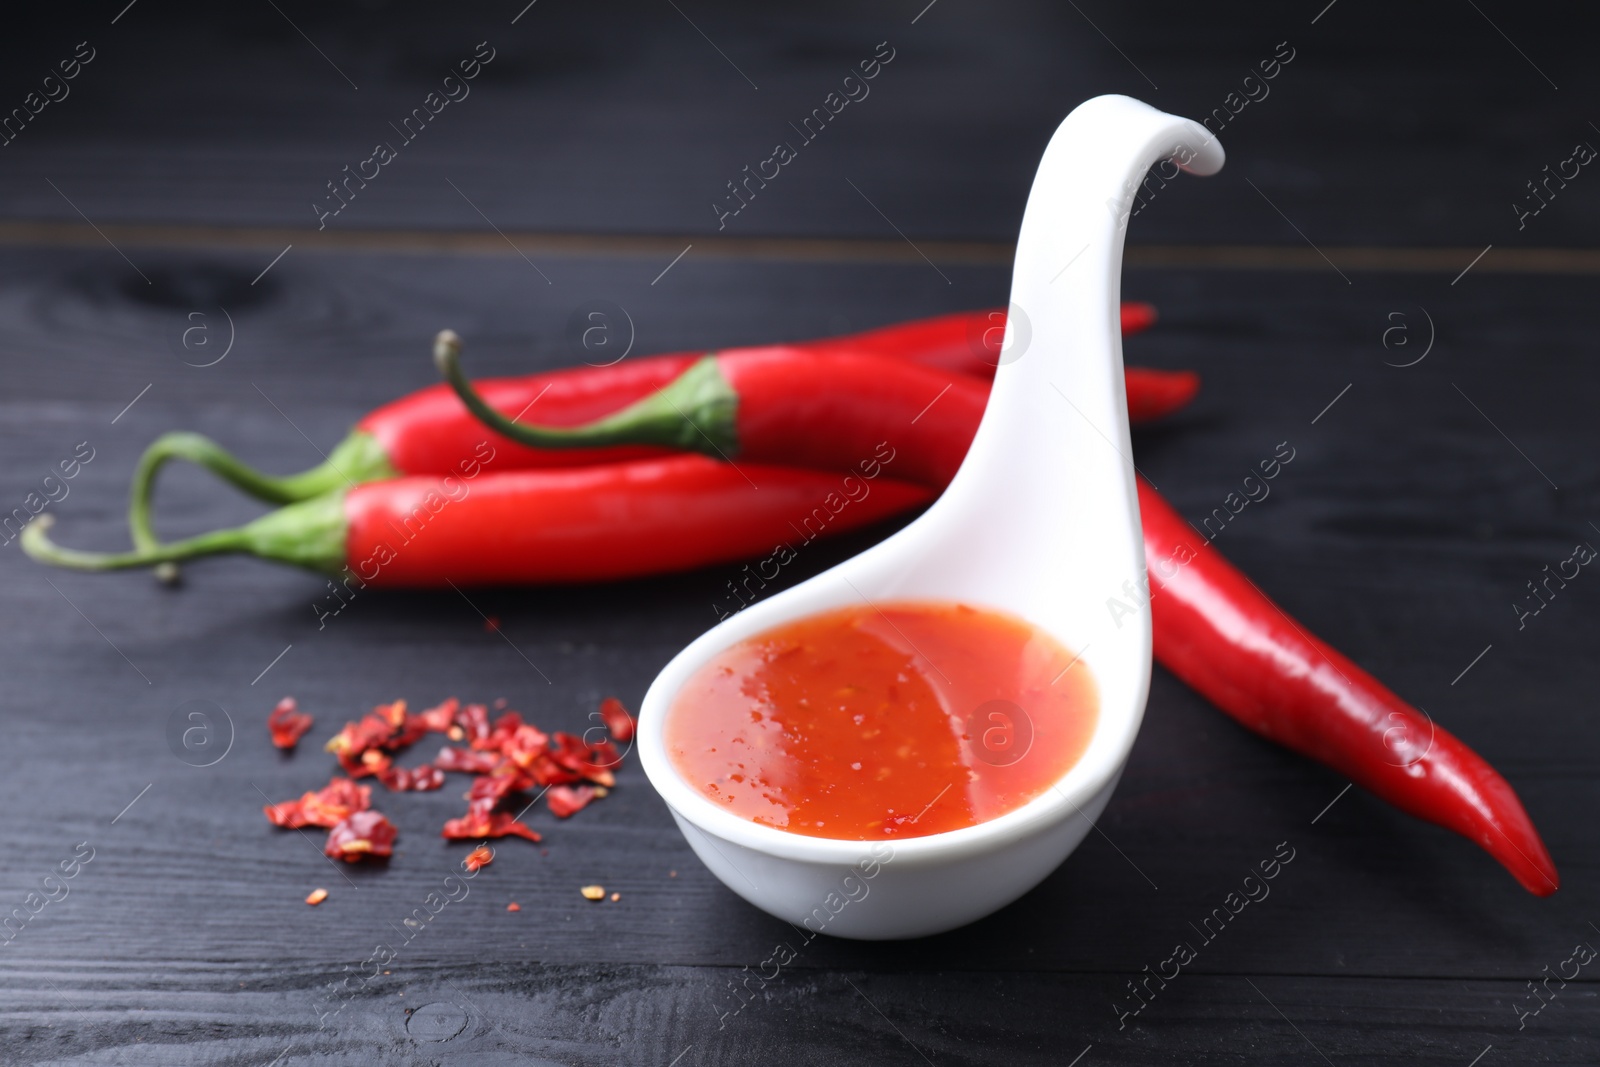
(1050,471)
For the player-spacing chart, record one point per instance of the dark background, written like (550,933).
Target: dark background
(187,157)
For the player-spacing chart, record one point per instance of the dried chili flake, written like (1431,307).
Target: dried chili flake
(287,723)
(371,732)
(409,733)
(481,820)
(569,750)
(521,780)
(604,754)
(316,896)
(353,742)
(362,747)
(394,714)
(546,771)
(327,807)
(593,892)
(581,758)
(372,761)
(441,716)
(336,801)
(465,760)
(513,906)
(412,779)
(289,814)
(619,724)
(507,756)
(524,745)
(493,788)
(366,833)
(474,722)
(566,800)
(504,728)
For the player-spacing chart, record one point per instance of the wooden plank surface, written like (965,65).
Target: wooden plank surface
(1420,500)
(1402,529)
(1391,124)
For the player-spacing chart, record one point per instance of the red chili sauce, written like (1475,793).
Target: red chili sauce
(894,720)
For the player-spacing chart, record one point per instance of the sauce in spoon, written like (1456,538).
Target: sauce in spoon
(885,721)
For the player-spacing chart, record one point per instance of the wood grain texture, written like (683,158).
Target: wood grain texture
(1420,501)
(1393,124)
(1401,531)
(505,1014)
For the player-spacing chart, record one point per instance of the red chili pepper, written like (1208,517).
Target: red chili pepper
(613,513)
(487,537)
(1137,317)
(585,524)
(364,834)
(1226,640)
(968,342)
(478,858)
(1159,393)
(823,410)
(428,432)
(1231,644)
(287,723)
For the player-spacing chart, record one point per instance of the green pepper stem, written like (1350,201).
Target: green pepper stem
(695,412)
(358,458)
(307,533)
(37,544)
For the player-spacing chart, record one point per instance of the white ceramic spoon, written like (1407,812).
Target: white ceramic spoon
(1041,521)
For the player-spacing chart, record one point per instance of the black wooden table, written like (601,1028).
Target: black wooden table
(1367,216)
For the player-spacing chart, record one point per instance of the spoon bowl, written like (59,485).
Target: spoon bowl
(1041,522)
